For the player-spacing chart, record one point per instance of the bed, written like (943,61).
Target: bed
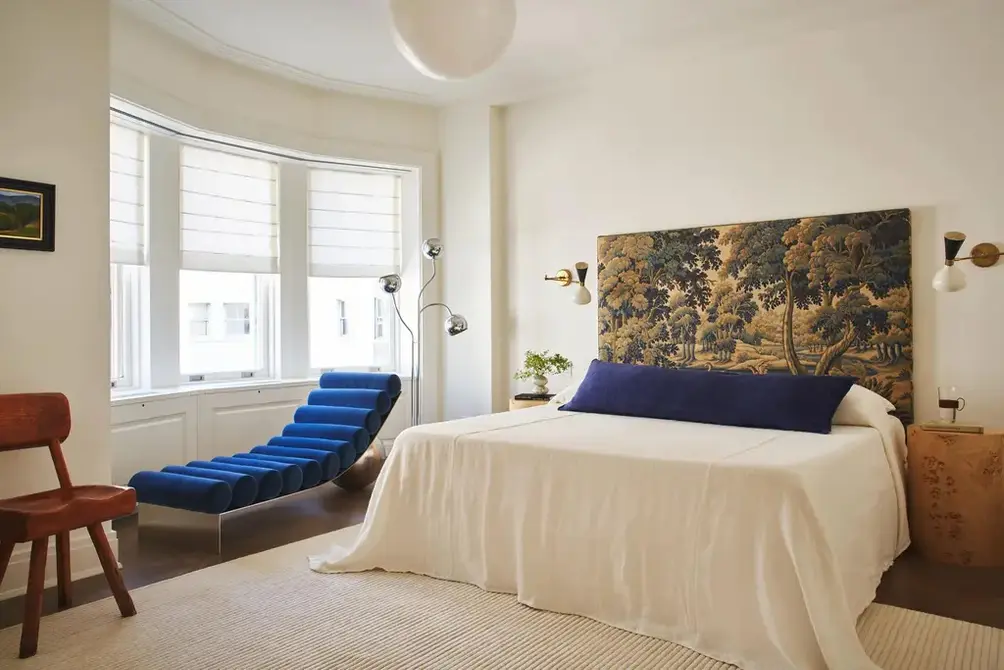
(751,546)
(754,546)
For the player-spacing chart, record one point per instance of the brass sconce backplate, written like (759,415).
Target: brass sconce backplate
(985,255)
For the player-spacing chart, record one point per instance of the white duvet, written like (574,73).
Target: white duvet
(756,547)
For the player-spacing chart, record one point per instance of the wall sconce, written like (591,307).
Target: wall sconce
(564,277)
(950,278)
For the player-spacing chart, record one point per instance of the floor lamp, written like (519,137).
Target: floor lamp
(454,324)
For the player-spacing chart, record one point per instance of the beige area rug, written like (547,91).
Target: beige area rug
(270,611)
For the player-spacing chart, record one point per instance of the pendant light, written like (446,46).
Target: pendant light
(452,39)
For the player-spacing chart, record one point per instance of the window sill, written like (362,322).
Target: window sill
(130,396)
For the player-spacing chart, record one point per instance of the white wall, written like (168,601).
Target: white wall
(54,310)
(901,111)
(165,74)
(472,263)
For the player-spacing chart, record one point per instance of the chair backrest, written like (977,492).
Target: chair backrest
(33,420)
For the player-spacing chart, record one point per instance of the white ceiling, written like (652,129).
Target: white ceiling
(347,45)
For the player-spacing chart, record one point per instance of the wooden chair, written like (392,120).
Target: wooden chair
(43,420)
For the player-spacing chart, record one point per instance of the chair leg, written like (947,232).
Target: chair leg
(6,549)
(33,598)
(111,569)
(65,596)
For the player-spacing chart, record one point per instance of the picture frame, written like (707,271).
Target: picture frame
(27,215)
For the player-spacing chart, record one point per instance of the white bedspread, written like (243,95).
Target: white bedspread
(756,547)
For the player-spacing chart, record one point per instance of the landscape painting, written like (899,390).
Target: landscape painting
(27,219)
(822,295)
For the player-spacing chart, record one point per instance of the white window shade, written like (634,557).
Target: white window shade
(228,213)
(127,190)
(355,223)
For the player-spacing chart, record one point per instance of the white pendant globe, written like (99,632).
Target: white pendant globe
(452,39)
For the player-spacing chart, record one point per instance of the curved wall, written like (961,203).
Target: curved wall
(158,71)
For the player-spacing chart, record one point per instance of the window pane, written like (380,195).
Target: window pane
(337,307)
(219,332)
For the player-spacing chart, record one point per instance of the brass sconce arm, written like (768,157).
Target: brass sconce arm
(983,255)
(564,277)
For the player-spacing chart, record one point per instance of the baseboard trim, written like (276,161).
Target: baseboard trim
(83,562)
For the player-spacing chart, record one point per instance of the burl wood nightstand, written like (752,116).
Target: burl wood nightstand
(516,403)
(955,496)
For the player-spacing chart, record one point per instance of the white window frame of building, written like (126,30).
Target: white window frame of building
(206,320)
(343,318)
(379,319)
(236,320)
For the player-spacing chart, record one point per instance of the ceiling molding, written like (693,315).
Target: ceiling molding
(152,12)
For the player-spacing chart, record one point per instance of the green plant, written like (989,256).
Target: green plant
(541,364)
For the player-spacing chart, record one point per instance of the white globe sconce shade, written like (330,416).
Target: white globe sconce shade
(452,39)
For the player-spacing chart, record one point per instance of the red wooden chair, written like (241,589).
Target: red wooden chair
(43,420)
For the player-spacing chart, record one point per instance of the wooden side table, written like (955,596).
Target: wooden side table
(523,404)
(955,496)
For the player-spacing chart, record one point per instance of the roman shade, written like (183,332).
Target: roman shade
(228,212)
(355,223)
(127,187)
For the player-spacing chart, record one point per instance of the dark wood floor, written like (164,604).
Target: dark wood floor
(969,594)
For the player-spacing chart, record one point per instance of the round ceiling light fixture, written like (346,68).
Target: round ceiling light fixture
(452,39)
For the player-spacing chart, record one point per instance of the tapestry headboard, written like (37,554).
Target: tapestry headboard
(818,295)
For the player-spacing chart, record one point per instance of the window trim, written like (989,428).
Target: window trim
(126,313)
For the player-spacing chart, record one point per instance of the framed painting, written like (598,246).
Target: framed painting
(819,295)
(27,215)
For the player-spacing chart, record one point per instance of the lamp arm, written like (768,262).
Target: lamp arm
(437,304)
(426,284)
(417,356)
(969,258)
(412,380)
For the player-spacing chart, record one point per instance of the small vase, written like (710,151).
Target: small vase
(540,385)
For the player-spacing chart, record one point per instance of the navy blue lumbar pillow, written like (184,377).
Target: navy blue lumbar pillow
(779,401)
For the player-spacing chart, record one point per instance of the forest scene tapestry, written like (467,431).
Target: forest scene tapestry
(820,295)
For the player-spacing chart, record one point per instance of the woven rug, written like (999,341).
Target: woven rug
(270,611)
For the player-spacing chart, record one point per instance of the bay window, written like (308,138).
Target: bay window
(195,277)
